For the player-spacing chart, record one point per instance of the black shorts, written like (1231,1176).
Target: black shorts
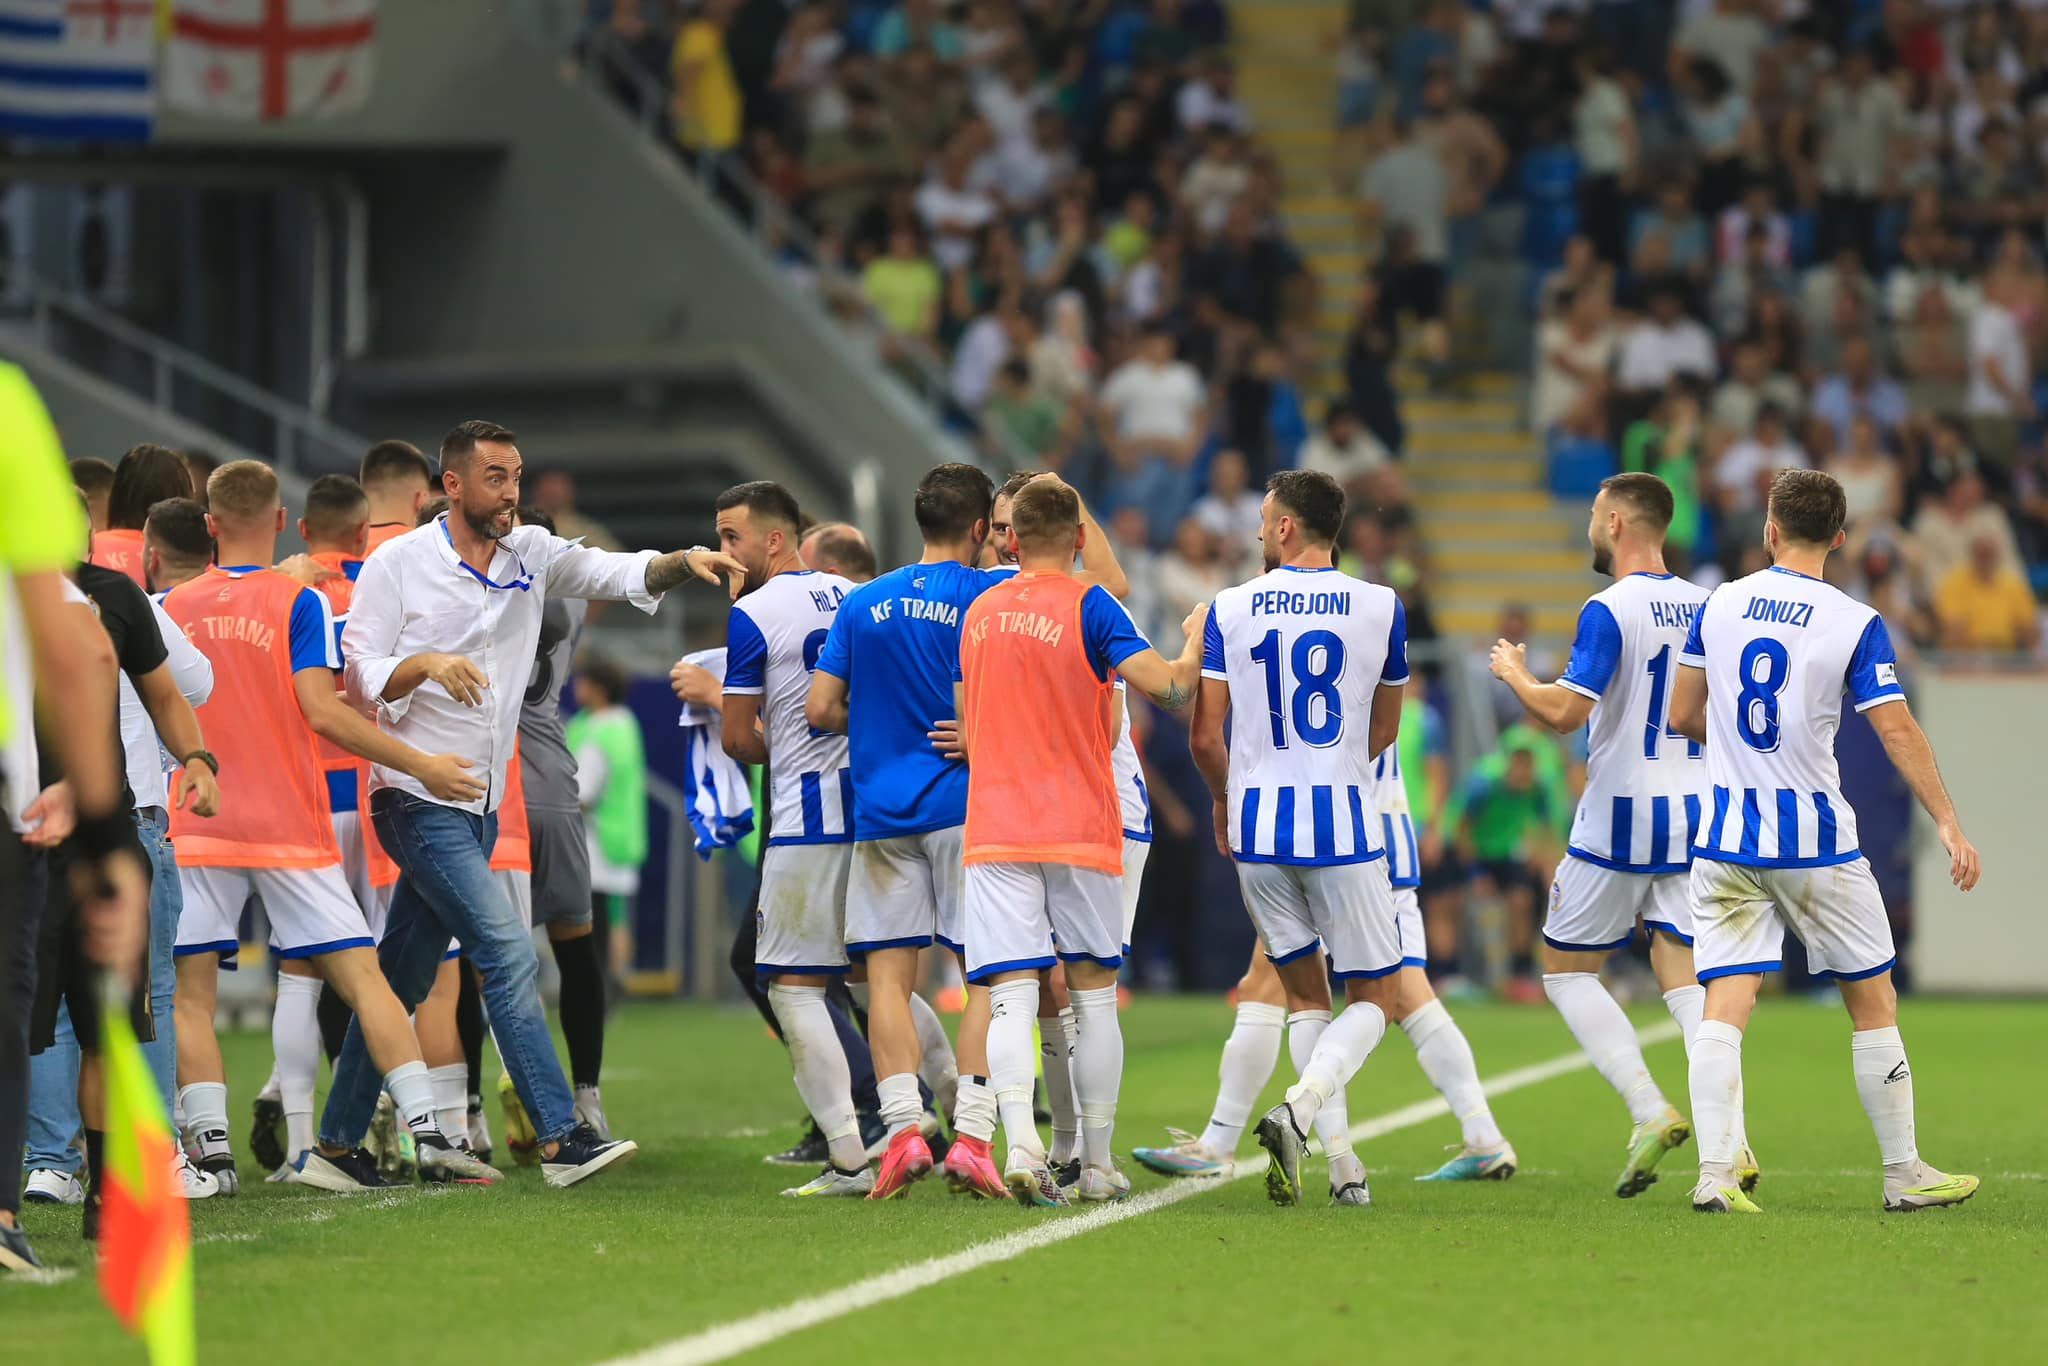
(1416,289)
(1508,874)
(65,976)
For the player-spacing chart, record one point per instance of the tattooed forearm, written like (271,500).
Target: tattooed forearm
(667,571)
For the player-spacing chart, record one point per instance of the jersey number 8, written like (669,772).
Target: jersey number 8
(1756,706)
(1315,708)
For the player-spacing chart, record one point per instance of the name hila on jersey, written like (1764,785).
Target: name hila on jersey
(1291,602)
(1675,616)
(918,609)
(827,599)
(1779,612)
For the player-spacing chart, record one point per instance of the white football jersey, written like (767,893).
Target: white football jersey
(1641,809)
(1397,826)
(772,640)
(1304,651)
(1779,650)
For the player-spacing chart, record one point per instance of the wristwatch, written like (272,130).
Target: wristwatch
(694,550)
(204,757)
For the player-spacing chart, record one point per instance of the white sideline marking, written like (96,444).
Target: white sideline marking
(727,1340)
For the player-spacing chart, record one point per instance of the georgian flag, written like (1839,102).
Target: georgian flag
(270,59)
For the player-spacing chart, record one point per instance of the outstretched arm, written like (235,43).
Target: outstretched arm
(1170,683)
(1557,705)
(1910,751)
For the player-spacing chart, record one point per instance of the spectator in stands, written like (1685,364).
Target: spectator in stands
(554,492)
(1062,361)
(1838,300)
(1154,406)
(1723,130)
(1604,136)
(1574,356)
(925,100)
(1872,484)
(1726,32)
(1229,511)
(1756,211)
(1007,329)
(1984,604)
(627,42)
(1678,233)
(806,63)
(1217,178)
(1429,42)
(1750,385)
(1471,153)
(1133,536)
(1192,570)
(1933,348)
(1369,350)
(1210,98)
(1667,444)
(1239,284)
(1012,101)
(2001,373)
(1016,419)
(1661,346)
(1742,481)
(1151,291)
(1405,206)
(848,172)
(918,23)
(1860,388)
(1949,528)
(706,104)
(904,285)
(1739,282)
(951,210)
(1858,117)
(1507,819)
(1351,455)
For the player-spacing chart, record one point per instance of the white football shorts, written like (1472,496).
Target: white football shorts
(311,910)
(1408,924)
(904,892)
(802,920)
(1135,854)
(1742,914)
(1015,911)
(1594,909)
(1347,909)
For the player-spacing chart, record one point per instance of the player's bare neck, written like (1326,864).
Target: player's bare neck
(789,563)
(1309,557)
(1631,560)
(1053,563)
(1808,560)
(246,550)
(955,552)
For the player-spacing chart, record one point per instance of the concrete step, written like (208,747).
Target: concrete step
(1485,441)
(1460,414)
(1481,621)
(1503,503)
(1485,384)
(1446,475)
(1464,557)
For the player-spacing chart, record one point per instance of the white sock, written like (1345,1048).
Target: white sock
(1249,1056)
(588,1099)
(1056,1054)
(1608,1038)
(272,1088)
(1339,1053)
(413,1096)
(295,1041)
(1098,1069)
(1686,1004)
(205,1104)
(820,1069)
(1446,1059)
(938,1068)
(1305,1029)
(899,1102)
(1013,1007)
(1885,1085)
(1716,1080)
(450,1083)
(974,1109)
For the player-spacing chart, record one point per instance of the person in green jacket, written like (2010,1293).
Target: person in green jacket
(1509,818)
(1667,444)
(611,785)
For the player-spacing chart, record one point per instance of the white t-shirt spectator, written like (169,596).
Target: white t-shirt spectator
(1558,392)
(1199,107)
(1654,353)
(961,211)
(1361,456)
(1599,123)
(1740,472)
(1009,111)
(1234,523)
(1733,40)
(983,348)
(1158,402)
(1995,336)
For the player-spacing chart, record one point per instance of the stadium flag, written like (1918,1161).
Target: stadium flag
(77,70)
(270,59)
(145,1235)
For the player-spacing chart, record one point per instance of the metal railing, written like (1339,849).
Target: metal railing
(603,57)
(179,381)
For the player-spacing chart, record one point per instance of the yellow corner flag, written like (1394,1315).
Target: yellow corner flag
(145,1237)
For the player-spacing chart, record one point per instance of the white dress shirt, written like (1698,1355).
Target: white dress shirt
(145,757)
(416,596)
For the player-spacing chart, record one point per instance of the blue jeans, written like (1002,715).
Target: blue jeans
(446,890)
(53,1074)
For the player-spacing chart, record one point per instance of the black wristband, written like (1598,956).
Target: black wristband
(97,836)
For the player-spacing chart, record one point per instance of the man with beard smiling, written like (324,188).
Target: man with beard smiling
(441,639)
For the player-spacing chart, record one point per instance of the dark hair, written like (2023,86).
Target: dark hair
(1647,497)
(461,442)
(179,526)
(335,506)
(1044,512)
(533,515)
(603,673)
(1313,499)
(951,499)
(431,509)
(388,462)
(92,476)
(1008,488)
(762,498)
(1015,371)
(1808,506)
(146,476)
(839,548)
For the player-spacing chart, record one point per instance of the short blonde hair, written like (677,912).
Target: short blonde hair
(243,491)
(1045,514)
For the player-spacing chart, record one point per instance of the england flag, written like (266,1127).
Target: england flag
(270,59)
(77,70)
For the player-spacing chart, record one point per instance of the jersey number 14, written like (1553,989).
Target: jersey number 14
(1657,724)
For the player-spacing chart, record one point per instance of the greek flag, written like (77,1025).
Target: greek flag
(77,70)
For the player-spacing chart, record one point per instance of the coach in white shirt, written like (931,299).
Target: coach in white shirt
(440,639)
(1664,344)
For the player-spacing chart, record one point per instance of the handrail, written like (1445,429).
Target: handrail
(168,362)
(772,223)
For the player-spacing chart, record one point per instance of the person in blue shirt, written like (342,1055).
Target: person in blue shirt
(885,677)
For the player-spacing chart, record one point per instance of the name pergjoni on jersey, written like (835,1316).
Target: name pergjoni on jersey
(1312,645)
(1780,650)
(1642,806)
(774,637)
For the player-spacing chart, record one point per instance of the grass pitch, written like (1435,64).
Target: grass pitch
(1548,1267)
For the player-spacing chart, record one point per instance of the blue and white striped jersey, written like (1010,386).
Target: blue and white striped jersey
(772,641)
(1304,651)
(1644,781)
(1780,649)
(1397,827)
